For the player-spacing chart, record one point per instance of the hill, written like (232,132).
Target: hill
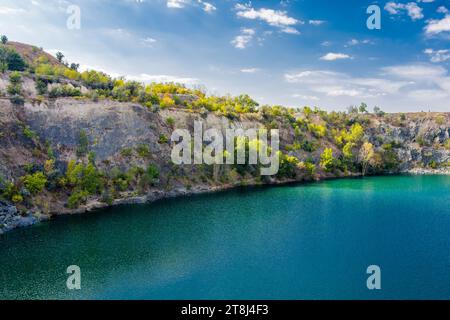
(71,142)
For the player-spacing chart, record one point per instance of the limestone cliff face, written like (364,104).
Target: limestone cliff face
(115,131)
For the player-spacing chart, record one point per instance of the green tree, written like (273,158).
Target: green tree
(35,183)
(327,160)
(378,111)
(4,39)
(83,144)
(74,66)
(363,108)
(41,86)
(15,61)
(59,56)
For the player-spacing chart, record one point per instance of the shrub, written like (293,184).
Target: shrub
(108,196)
(17,198)
(288,165)
(317,130)
(170,122)
(84,177)
(167,102)
(15,61)
(126,152)
(64,91)
(143,150)
(378,112)
(41,86)
(35,183)
(327,160)
(163,139)
(27,132)
(17,100)
(83,144)
(308,146)
(447,144)
(76,199)
(440,120)
(152,173)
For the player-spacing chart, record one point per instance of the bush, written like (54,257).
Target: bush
(440,120)
(143,150)
(17,198)
(317,130)
(167,102)
(17,100)
(170,122)
(76,199)
(27,132)
(308,146)
(152,174)
(447,144)
(83,144)
(41,86)
(327,160)
(35,183)
(126,152)
(64,91)
(15,86)
(163,139)
(84,177)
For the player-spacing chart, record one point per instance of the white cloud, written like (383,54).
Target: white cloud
(208,7)
(250,70)
(290,30)
(10,10)
(180,4)
(275,18)
(148,42)
(316,22)
(241,41)
(442,9)
(305,97)
(413,10)
(437,26)
(334,56)
(147,78)
(354,42)
(416,71)
(392,82)
(438,55)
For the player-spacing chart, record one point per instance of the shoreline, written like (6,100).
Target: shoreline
(94,205)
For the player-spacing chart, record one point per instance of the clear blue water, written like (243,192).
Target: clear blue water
(310,241)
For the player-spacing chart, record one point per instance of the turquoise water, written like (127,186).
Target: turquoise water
(310,241)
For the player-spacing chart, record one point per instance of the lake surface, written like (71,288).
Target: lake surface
(307,241)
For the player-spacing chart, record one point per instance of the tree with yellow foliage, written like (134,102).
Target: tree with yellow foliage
(366,156)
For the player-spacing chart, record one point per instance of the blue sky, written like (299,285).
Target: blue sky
(290,52)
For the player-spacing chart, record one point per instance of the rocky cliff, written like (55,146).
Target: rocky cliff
(129,147)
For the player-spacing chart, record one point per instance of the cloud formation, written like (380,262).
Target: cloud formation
(241,41)
(335,56)
(411,8)
(274,18)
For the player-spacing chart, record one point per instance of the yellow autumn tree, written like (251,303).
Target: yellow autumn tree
(366,156)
